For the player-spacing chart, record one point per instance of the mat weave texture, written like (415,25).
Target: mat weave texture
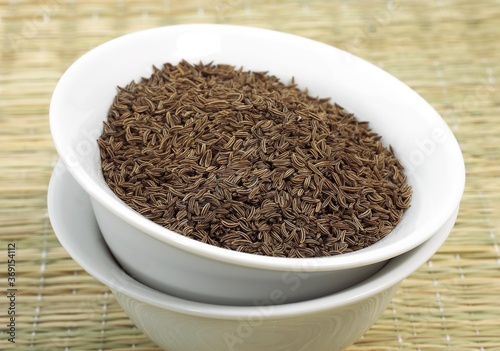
(448,51)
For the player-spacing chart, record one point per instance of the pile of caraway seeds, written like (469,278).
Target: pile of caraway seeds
(242,161)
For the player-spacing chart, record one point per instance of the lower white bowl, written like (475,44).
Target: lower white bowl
(328,323)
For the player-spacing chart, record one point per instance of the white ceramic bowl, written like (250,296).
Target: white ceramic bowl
(325,324)
(184,267)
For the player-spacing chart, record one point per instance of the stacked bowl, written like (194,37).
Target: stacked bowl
(189,295)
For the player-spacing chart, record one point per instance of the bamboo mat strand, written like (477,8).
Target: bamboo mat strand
(447,50)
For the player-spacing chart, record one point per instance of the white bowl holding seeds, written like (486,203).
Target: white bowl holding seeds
(178,265)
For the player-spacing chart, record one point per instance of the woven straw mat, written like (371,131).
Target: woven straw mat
(448,51)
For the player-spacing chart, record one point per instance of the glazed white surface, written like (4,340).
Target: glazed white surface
(328,323)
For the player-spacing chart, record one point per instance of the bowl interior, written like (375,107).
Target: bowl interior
(420,138)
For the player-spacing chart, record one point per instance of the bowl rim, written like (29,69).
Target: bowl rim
(113,276)
(125,213)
